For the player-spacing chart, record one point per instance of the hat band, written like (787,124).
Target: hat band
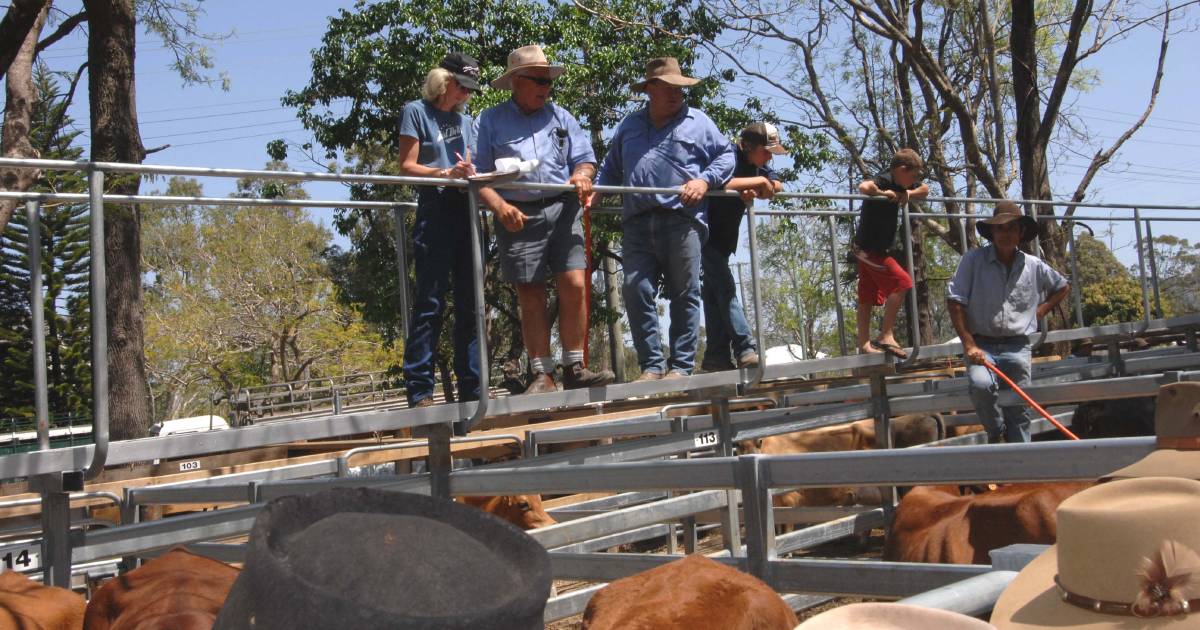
(1179,443)
(1156,608)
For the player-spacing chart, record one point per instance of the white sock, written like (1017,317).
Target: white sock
(544,365)
(572,356)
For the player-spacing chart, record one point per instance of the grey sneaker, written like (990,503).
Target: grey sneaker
(647,375)
(575,376)
(541,384)
(748,359)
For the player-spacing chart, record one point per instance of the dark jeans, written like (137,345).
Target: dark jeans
(442,252)
(725,324)
(659,244)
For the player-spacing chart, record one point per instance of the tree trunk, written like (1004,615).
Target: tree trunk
(115,138)
(22,17)
(20,96)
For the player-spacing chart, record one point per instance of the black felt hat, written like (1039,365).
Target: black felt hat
(365,559)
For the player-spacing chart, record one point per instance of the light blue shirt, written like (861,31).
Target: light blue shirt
(688,147)
(439,134)
(551,135)
(1002,301)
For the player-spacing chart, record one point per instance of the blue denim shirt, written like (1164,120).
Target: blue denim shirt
(1002,302)
(688,147)
(551,135)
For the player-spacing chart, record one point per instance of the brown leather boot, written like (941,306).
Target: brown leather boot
(541,384)
(575,376)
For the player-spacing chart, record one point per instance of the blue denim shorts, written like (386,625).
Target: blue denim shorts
(550,242)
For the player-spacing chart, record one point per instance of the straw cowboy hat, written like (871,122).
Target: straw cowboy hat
(365,559)
(525,58)
(665,69)
(1177,428)
(1007,212)
(1126,557)
(891,617)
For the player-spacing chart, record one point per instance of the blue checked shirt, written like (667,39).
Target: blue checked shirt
(689,147)
(551,135)
(1002,302)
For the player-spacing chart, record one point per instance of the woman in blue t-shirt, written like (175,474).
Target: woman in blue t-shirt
(436,139)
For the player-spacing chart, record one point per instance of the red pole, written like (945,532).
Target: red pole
(1029,400)
(587,284)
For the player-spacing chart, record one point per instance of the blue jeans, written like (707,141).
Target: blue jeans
(660,244)
(442,253)
(725,324)
(1013,357)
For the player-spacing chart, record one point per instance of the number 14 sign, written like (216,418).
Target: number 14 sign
(23,557)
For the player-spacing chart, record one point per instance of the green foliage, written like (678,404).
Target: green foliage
(64,253)
(241,296)
(1111,301)
(1179,274)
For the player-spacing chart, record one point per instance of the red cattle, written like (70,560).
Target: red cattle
(938,524)
(178,590)
(523,510)
(27,604)
(694,593)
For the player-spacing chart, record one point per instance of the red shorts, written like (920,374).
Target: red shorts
(879,280)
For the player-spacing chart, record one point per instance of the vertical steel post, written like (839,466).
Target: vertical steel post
(1137,225)
(1076,289)
(730,526)
(914,324)
(56,533)
(760,520)
(98,285)
(883,430)
(612,298)
(1158,309)
(1037,241)
(37,305)
(480,313)
(401,237)
(439,460)
(752,239)
(962,235)
(837,285)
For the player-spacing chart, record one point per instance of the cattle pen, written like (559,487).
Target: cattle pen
(656,473)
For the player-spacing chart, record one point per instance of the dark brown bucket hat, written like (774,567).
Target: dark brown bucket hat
(357,559)
(1007,212)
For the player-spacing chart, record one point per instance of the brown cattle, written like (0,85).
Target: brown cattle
(523,510)
(27,604)
(937,524)
(694,593)
(178,590)
(907,431)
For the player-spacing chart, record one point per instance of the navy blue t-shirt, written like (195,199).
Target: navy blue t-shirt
(879,217)
(440,134)
(725,213)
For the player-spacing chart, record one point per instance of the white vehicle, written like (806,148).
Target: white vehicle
(194,424)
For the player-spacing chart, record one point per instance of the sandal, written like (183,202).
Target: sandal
(890,348)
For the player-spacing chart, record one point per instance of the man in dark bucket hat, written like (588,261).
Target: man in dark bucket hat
(995,301)
(367,559)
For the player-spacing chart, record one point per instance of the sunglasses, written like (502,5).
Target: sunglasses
(542,81)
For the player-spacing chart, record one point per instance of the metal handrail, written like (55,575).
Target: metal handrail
(75,496)
(343,460)
(99,307)
(662,413)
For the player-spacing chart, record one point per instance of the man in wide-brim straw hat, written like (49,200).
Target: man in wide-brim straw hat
(1177,436)
(665,145)
(995,300)
(1126,557)
(539,233)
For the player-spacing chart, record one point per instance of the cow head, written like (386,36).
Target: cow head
(524,511)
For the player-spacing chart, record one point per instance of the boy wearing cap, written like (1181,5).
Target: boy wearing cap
(995,300)
(665,145)
(540,232)
(881,280)
(725,323)
(434,135)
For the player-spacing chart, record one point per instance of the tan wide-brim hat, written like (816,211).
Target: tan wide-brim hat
(1177,431)
(872,616)
(525,58)
(665,69)
(1106,534)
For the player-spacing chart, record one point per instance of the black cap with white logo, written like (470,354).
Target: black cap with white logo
(464,68)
